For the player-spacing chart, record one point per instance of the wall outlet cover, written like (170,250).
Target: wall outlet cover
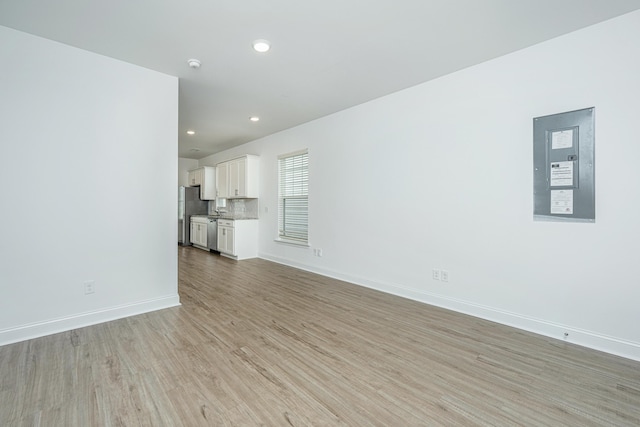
(444,275)
(89,287)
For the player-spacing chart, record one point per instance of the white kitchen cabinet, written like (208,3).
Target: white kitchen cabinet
(238,239)
(208,185)
(205,177)
(198,233)
(202,235)
(193,235)
(222,180)
(195,177)
(226,241)
(238,178)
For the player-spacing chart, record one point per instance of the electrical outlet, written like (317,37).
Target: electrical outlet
(436,274)
(444,275)
(89,287)
(319,252)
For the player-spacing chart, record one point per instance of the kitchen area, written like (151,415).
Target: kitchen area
(218,208)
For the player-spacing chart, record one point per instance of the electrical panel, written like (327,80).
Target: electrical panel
(564,167)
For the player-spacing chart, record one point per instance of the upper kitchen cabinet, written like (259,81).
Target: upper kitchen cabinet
(195,177)
(205,177)
(238,178)
(222,180)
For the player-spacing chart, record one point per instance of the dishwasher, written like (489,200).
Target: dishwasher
(212,234)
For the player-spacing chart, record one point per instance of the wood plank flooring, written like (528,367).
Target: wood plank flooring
(257,343)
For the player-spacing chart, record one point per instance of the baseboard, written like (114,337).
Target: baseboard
(35,330)
(589,339)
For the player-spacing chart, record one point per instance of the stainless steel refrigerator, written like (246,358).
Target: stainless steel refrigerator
(189,203)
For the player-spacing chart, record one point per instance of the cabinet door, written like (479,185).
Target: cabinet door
(222,180)
(235,178)
(222,239)
(208,185)
(202,230)
(251,177)
(238,178)
(196,177)
(231,241)
(222,247)
(198,234)
(226,240)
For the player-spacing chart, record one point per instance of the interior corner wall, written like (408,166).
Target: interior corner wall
(440,176)
(88,149)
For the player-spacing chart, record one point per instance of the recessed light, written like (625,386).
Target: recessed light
(193,63)
(254,118)
(261,46)
(190,132)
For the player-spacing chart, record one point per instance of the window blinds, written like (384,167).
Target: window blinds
(293,203)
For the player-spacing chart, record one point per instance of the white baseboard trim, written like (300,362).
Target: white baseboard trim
(589,339)
(54,326)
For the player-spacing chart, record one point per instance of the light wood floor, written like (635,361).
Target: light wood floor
(256,343)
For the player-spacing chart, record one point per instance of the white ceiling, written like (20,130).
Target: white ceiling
(326,55)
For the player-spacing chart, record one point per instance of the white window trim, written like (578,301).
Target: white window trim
(293,153)
(292,242)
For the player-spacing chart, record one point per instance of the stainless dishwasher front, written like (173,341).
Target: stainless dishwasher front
(212,234)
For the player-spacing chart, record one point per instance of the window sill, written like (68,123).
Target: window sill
(293,243)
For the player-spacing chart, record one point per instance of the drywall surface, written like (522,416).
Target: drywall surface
(440,176)
(93,195)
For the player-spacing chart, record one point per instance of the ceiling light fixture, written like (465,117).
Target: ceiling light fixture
(254,118)
(194,63)
(261,46)
(190,132)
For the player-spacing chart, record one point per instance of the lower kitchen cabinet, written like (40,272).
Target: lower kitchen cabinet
(226,241)
(198,233)
(238,239)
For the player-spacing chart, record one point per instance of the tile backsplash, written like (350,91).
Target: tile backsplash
(240,208)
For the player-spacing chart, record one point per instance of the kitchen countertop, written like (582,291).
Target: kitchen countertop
(235,218)
(229,217)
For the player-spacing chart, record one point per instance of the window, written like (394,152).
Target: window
(293,197)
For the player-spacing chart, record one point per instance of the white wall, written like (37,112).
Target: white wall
(88,149)
(440,176)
